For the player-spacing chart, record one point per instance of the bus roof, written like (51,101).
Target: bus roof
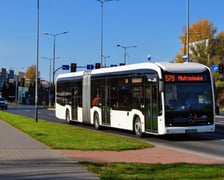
(166,66)
(130,67)
(187,67)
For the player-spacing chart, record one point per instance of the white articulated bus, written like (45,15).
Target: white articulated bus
(156,98)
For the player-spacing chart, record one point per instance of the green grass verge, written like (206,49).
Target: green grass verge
(137,171)
(63,136)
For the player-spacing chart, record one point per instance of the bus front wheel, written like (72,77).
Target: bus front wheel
(96,121)
(138,127)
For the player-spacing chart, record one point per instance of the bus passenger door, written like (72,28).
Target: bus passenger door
(151,108)
(106,106)
(74,103)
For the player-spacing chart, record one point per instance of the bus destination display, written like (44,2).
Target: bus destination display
(184,77)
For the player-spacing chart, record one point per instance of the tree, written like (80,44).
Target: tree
(199,33)
(31,74)
(205,48)
(219,57)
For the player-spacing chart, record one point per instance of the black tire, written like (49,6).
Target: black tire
(96,121)
(137,127)
(67,117)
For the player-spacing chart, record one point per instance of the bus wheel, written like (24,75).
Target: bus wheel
(138,127)
(96,121)
(67,117)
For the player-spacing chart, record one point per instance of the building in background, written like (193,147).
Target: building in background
(16,88)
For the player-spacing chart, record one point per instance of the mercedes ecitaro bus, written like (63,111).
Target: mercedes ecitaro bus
(155,98)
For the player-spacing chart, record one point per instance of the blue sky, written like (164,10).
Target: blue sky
(154,26)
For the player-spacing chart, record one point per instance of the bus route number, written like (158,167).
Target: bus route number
(169,78)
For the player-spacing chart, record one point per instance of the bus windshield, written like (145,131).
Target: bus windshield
(188,104)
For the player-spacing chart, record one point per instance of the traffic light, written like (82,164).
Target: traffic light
(221,68)
(97,66)
(73,67)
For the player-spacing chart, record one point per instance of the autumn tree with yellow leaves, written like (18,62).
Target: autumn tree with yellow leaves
(205,47)
(31,74)
(200,31)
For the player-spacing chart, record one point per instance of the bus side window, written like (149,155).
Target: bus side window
(96,100)
(114,97)
(137,96)
(124,97)
(119,93)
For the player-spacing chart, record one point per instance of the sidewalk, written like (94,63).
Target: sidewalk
(22,157)
(150,155)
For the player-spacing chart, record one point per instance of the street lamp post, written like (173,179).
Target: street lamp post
(54,36)
(105,60)
(49,91)
(187,45)
(101,34)
(37,62)
(50,69)
(50,59)
(125,50)
(188,10)
(16,86)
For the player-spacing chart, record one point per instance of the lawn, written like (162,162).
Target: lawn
(142,171)
(63,136)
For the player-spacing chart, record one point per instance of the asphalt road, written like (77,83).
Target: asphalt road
(30,112)
(209,144)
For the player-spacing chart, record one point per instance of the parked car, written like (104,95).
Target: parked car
(3,103)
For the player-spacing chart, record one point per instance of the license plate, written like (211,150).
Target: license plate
(190,130)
